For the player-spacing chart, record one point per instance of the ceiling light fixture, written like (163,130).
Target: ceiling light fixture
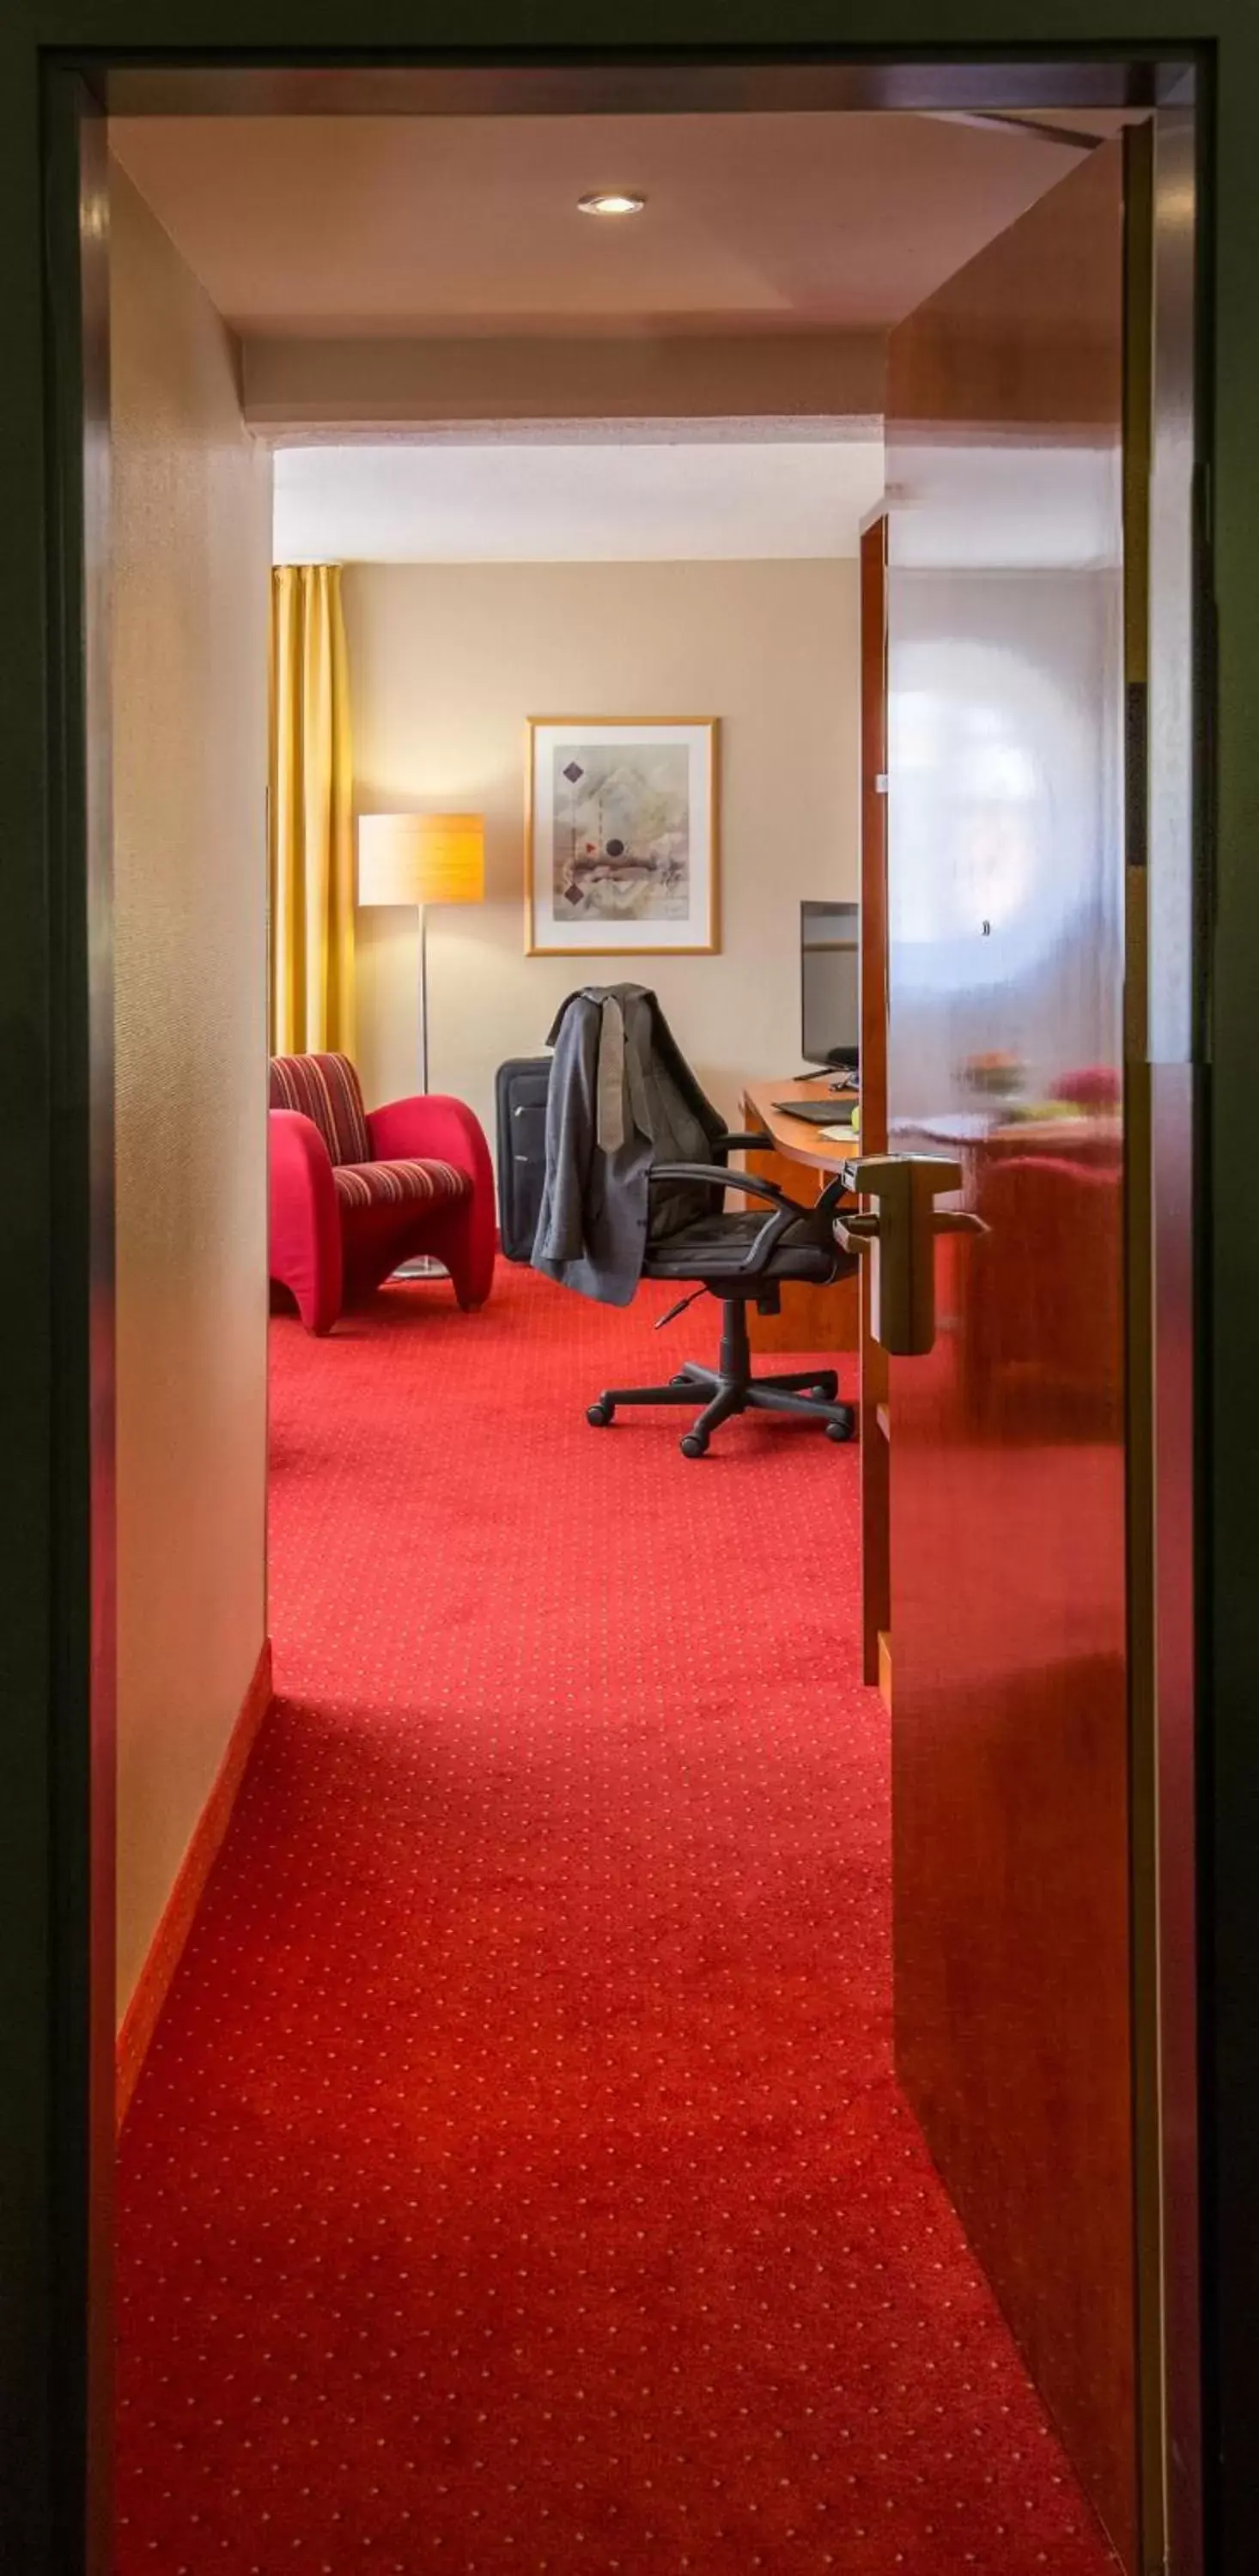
(611,201)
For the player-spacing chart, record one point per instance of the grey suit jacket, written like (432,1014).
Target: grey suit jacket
(621,1098)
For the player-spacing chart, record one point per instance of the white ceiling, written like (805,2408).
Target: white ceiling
(548,503)
(468,225)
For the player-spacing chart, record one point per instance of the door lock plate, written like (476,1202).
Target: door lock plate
(898,1237)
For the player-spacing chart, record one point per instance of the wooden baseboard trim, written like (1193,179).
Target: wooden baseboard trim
(166,1947)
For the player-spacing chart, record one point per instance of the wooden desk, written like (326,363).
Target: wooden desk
(794,1138)
(802,1162)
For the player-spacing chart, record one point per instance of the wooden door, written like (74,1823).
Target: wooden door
(1005,854)
(876,1567)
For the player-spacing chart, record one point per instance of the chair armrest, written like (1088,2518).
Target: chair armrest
(755,1141)
(299,1159)
(829,1198)
(304,1218)
(784,1209)
(431,1127)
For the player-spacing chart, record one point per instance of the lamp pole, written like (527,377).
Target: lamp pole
(423,1266)
(423,913)
(415,860)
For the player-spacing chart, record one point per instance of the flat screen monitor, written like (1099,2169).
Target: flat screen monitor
(830,997)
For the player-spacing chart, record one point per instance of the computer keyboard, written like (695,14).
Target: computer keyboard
(818,1113)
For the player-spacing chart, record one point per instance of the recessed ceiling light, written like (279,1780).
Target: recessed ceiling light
(611,202)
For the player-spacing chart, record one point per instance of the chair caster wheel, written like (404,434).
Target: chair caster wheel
(693,1444)
(826,1387)
(601,1413)
(839,1431)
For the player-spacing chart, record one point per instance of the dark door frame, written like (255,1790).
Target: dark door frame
(60,61)
(82,1802)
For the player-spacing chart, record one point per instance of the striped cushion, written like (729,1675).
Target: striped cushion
(362,1184)
(325,1088)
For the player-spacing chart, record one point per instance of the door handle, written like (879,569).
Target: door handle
(898,1234)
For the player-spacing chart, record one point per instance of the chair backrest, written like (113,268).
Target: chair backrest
(325,1088)
(656,1095)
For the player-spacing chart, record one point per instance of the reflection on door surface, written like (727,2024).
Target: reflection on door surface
(1005,897)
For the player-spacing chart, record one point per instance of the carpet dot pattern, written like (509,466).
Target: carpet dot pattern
(518,2179)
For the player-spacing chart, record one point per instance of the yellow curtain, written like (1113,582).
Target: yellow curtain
(311,823)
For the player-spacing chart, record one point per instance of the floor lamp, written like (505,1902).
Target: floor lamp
(416,860)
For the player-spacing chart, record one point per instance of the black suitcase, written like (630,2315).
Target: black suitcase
(520,1089)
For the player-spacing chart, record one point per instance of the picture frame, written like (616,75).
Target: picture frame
(622,836)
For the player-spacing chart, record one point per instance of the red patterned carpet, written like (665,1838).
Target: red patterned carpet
(518,2180)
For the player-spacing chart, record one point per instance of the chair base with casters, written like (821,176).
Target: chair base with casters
(742,1260)
(731,1388)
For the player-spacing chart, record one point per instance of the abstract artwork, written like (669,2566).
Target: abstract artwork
(622,838)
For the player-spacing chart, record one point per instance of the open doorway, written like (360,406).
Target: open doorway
(604,1699)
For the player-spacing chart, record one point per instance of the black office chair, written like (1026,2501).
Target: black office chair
(743,1259)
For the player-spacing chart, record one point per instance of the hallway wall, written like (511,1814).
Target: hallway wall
(446,663)
(192,542)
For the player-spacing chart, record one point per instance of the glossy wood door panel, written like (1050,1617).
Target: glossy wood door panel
(1006,912)
(876,1580)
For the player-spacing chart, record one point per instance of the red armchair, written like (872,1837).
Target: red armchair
(352,1195)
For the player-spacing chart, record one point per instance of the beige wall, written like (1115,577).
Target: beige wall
(191,503)
(446,664)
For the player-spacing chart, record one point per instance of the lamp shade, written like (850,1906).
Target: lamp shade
(421,858)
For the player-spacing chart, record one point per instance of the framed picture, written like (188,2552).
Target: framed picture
(622,842)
